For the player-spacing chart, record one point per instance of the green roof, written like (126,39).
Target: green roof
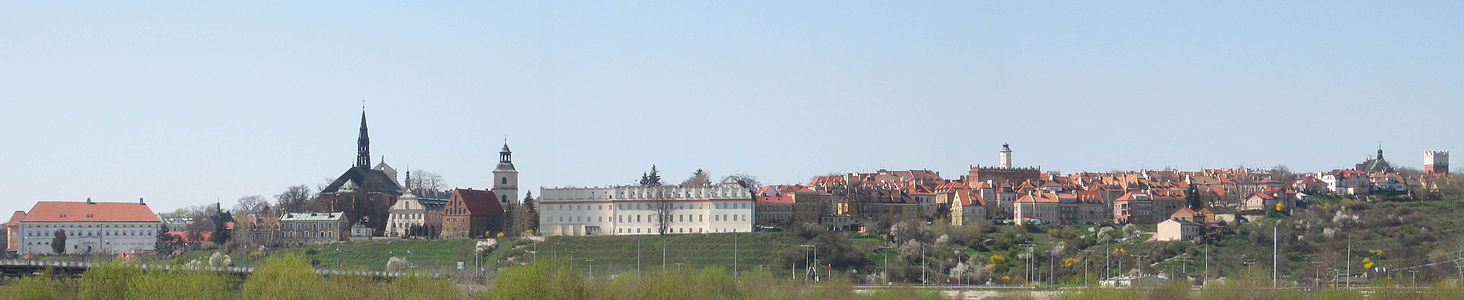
(330,216)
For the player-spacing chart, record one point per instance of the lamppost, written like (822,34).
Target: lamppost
(592,267)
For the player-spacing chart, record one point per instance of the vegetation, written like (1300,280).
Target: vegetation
(557,279)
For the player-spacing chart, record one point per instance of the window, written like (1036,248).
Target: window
(504,180)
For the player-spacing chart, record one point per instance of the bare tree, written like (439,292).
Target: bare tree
(425,180)
(698,179)
(748,182)
(664,207)
(294,199)
(255,204)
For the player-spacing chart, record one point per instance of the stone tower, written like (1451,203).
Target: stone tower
(505,178)
(1006,155)
(1436,162)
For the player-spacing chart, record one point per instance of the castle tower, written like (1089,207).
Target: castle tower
(1436,162)
(505,178)
(1006,155)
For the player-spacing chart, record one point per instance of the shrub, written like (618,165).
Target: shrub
(104,281)
(286,276)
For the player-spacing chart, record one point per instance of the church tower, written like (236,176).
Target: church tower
(505,178)
(1006,155)
(363,145)
(1436,162)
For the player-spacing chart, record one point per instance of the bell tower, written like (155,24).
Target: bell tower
(505,177)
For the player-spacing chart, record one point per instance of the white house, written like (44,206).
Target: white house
(407,212)
(90,227)
(631,210)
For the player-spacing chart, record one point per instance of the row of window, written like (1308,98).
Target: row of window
(641,206)
(652,218)
(90,233)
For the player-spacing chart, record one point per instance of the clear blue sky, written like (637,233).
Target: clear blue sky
(185,103)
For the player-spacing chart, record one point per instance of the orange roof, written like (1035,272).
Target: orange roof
(972,198)
(1185,212)
(786,198)
(1134,196)
(182,237)
(1038,198)
(56,211)
(15,218)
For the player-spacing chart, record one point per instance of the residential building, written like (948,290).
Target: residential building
(1177,230)
(471,213)
(1133,208)
(774,210)
(90,227)
(298,229)
(808,205)
(967,208)
(1035,207)
(639,210)
(257,230)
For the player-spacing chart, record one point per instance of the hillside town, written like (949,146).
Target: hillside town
(373,202)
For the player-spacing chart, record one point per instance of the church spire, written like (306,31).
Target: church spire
(363,145)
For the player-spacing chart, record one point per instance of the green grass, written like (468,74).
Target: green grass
(617,254)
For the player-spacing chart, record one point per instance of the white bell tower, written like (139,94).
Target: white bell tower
(505,178)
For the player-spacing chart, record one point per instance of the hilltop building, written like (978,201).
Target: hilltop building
(505,178)
(363,191)
(1375,165)
(632,210)
(1436,162)
(90,227)
(1004,174)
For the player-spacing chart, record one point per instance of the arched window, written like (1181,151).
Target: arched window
(504,180)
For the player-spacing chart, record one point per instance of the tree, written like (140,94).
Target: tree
(58,243)
(425,180)
(698,179)
(196,227)
(1192,195)
(664,208)
(1282,174)
(294,199)
(255,204)
(164,242)
(531,219)
(748,182)
(651,179)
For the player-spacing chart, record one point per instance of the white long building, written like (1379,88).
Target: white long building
(90,228)
(631,210)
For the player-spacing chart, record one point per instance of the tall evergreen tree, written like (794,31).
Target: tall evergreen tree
(58,243)
(1193,196)
(651,179)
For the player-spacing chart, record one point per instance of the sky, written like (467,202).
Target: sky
(185,103)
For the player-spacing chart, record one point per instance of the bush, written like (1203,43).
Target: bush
(38,287)
(170,284)
(104,281)
(286,276)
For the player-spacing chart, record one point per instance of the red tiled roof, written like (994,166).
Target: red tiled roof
(1265,196)
(1038,198)
(56,211)
(15,218)
(1133,196)
(1185,212)
(182,237)
(783,199)
(480,203)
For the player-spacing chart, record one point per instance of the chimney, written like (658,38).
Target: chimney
(88,200)
(139,201)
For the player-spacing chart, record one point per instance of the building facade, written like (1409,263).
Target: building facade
(640,210)
(299,229)
(90,227)
(471,213)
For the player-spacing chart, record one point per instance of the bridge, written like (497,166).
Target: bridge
(21,268)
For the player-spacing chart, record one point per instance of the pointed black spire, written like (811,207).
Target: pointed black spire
(363,145)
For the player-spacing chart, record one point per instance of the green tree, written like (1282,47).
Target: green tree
(288,276)
(1193,196)
(163,243)
(106,280)
(58,243)
(652,178)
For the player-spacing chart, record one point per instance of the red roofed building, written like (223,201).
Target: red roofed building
(1133,208)
(12,232)
(90,227)
(1038,208)
(967,208)
(471,213)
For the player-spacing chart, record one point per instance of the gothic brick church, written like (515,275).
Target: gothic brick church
(362,193)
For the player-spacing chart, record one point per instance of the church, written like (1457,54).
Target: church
(363,193)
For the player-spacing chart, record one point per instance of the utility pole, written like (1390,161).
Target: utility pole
(663,253)
(1274,251)
(637,256)
(1349,263)
(1206,279)
(734,254)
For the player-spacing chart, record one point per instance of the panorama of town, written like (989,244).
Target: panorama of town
(1005,224)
